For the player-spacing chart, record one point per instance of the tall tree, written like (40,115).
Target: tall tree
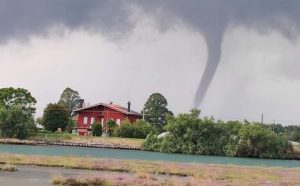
(16,112)
(14,123)
(10,97)
(55,116)
(70,100)
(156,110)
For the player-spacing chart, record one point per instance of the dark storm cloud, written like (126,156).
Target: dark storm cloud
(20,19)
(211,18)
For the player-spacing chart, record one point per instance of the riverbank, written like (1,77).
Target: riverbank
(193,174)
(93,142)
(79,141)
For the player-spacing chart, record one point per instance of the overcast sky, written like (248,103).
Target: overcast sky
(120,52)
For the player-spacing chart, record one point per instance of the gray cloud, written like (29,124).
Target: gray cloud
(22,19)
(213,17)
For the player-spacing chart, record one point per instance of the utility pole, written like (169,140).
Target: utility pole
(262,118)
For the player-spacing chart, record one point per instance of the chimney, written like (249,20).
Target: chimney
(81,102)
(128,106)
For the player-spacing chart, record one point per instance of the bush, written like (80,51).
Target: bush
(152,143)
(256,141)
(190,134)
(139,129)
(111,126)
(97,129)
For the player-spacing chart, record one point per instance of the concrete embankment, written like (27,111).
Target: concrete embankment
(74,144)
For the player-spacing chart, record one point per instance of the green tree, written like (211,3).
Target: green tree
(111,126)
(10,97)
(55,116)
(292,132)
(97,129)
(70,126)
(70,100)
(14,123)
(156,111)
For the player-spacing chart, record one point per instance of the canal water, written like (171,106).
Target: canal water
(142,155)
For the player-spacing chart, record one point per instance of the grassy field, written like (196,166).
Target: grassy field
(160,173)
(63,137)
(110,140)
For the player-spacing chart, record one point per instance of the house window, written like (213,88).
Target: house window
(85,120)
(92,120)
(102,122)
(118,121)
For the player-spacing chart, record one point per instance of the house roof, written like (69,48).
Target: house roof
(113,107)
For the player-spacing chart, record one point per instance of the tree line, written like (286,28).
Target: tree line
(186,132)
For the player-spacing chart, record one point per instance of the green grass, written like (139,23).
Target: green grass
(65,137)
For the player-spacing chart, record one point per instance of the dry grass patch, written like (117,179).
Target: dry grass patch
(119,180)
(8,168)
(107,140)
(190,173)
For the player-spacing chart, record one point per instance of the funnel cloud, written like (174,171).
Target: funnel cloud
(211,18)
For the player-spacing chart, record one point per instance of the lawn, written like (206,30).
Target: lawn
(110,140)
(64,137)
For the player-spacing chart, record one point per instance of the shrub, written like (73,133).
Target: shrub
(139,129)
(97,129)
(124,131)
(256,141)
(190,134)
(111,126)
(152,143)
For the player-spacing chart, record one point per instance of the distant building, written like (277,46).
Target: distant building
(101,113)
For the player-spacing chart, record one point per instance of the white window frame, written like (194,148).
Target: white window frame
(102,122)
(92,120)
(85,120)
(118,121)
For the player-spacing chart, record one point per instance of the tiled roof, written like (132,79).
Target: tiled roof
(113,107)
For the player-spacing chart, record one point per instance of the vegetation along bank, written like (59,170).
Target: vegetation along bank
(185,133)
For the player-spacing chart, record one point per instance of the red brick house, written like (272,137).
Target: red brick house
(101,113)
